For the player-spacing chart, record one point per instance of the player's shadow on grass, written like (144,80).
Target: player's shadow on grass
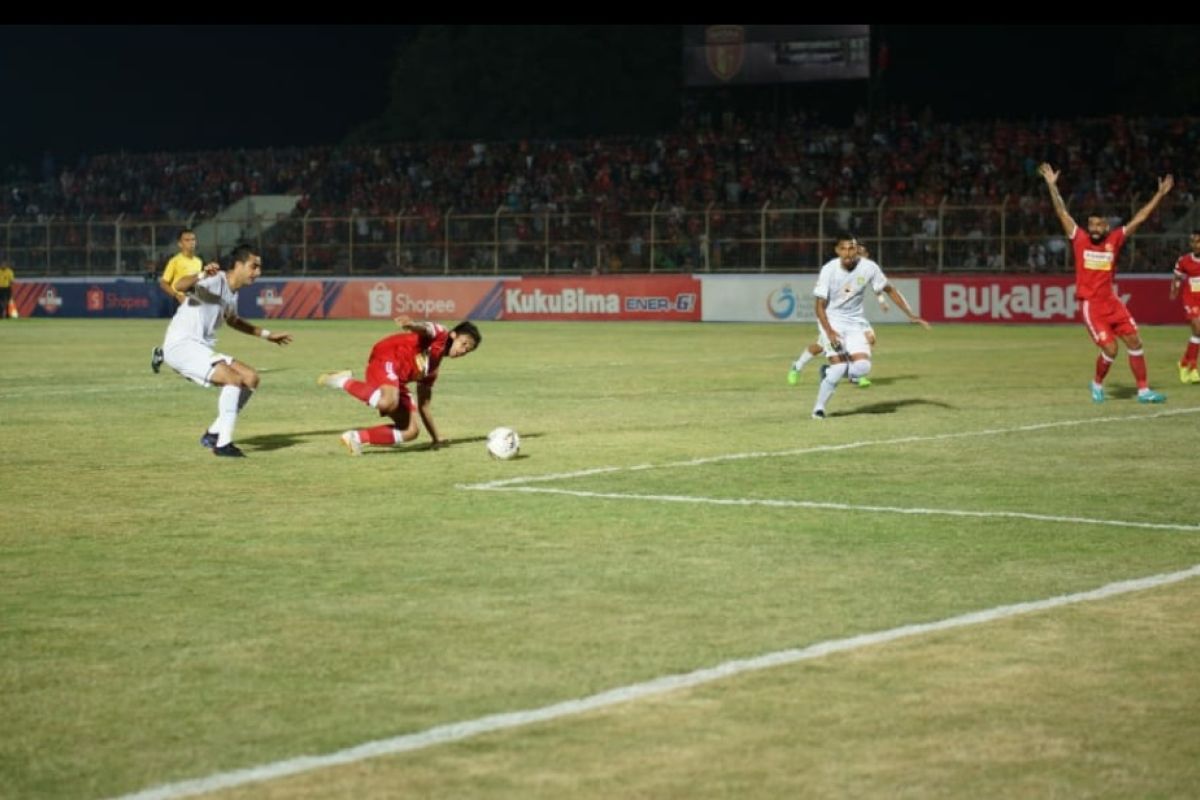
(454,445)
(278,441)
(890,407)
(1121,392)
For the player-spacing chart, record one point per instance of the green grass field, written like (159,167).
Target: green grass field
(166,615)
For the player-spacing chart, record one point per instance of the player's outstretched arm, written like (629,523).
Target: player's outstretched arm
(902,304)
(1143,214)
(1060,208)
(239,324)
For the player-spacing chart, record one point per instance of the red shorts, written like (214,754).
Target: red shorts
(1107,319)
(383,370)
(1191,312)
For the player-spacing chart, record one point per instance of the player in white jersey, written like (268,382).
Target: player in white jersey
(816,348)
(839,308)
(211,298)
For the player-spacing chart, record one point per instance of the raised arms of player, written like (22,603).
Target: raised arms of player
(902,304)
(1143,214)
(1060,208)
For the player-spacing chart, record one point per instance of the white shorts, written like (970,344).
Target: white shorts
(854,340)
(194,361)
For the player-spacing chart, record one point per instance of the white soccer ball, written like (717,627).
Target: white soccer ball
(503,443)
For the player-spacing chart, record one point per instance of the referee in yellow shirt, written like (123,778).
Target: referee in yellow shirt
(6,282)
(185,262)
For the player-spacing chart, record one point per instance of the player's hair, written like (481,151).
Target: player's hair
(1099,213)
(241,253)
(469,329)
(846,236)
(182,231)
(1195,233)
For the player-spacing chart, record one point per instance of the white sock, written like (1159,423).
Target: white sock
(340,381)
(227,409)
(828,386)
(804,358)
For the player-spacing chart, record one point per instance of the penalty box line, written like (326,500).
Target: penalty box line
(828,448)
(814,504)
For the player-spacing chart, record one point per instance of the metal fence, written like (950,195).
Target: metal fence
(1017,235)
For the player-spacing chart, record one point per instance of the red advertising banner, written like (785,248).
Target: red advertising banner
(1035,298)
(631,297)
(372,299)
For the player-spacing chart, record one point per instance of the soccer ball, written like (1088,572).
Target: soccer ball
(503,443)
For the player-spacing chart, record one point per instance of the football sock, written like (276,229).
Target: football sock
(244,397)
(1103,363)
(381,434)
(1193,349)
(804,358)
(1137,363)
(227,409)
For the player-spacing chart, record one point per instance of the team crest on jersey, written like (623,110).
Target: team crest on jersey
(724,49)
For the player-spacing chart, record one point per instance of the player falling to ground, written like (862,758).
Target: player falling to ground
(815,349)
(396,360)
(1106,317)
(210,298)
(839,307)
(1187,275)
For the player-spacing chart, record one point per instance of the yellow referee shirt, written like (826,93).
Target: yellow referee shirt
(180,266)
(6,277)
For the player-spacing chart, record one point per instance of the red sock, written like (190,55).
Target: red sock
(1103,363)
(1137,363)
(380,434)
(360,389)
(1189,358)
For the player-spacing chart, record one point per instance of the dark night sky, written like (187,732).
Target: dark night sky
(91,89)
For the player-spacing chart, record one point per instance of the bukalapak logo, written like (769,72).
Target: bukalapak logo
(998,302)
(781,303)
(567,301)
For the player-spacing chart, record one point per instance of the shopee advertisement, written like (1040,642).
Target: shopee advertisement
(372,299)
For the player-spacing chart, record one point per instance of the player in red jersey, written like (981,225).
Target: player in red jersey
(413,356)
(1187,275)
(1106,317)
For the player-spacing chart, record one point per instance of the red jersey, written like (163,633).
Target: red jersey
(1096,264)
(1187,269)
(412,356)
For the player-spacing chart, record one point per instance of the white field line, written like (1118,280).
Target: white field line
(827,448)
(948,512)
(457,731)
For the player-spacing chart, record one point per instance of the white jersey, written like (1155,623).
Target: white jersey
(199,316)
(843,291)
